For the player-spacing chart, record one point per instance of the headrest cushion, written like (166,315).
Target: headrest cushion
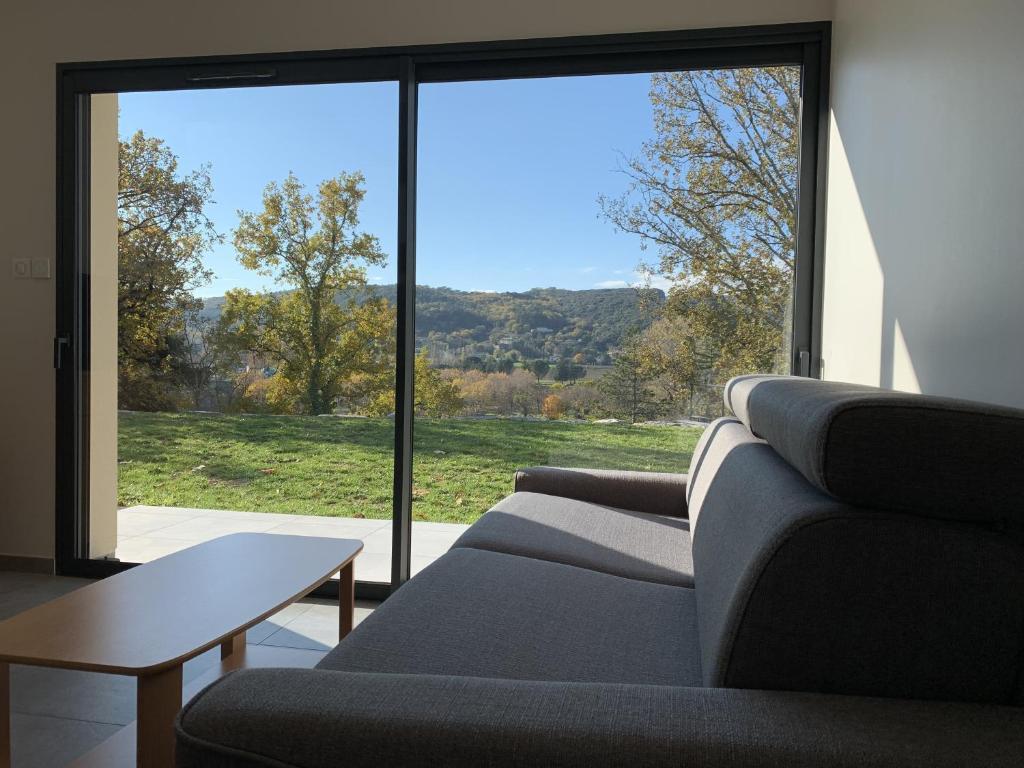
(934,456)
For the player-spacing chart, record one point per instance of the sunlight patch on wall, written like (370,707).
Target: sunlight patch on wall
(854,283)
(904,377)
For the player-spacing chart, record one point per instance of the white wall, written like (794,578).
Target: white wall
(102,374)
(924,262)
(36,34)
(924,277)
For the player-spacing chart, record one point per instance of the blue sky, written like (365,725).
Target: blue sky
(509,171)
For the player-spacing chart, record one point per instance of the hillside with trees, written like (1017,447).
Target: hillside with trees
(478,329)
(478,353)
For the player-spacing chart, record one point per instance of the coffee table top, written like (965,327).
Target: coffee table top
(164,612)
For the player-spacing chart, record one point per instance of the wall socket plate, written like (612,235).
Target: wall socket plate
(25,269)
(41,269)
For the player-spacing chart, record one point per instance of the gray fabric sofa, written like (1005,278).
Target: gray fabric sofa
(837,581)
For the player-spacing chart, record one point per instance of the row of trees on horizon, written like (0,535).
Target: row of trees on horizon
(713,194)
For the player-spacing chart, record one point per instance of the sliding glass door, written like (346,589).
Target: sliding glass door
(254,323)
(233,351)
(349,294)
(597,255)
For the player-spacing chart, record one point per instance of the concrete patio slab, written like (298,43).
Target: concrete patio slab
(147,532)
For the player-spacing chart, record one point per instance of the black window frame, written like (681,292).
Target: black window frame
(805,45)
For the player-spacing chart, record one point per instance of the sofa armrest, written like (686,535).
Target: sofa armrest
(659,493)
(323,719)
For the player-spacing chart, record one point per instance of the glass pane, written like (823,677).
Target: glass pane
(596,256)
(242,323)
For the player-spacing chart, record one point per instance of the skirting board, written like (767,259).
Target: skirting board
(24,564)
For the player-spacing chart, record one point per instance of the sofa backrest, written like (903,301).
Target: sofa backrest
(829,560)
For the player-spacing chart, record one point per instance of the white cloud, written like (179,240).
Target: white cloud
(640,280)
(654,281)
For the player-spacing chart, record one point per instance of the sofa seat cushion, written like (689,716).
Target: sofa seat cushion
(476,613)
(636,545)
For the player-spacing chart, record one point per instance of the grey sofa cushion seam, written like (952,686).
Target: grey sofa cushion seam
(570,565)
(251,758)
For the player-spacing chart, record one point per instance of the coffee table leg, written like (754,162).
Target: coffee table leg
(346,599)
(5,715)
(158,699)
(230,647)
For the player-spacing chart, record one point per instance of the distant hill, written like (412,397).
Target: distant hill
(541,322)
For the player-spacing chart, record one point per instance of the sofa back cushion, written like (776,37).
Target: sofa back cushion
(798,590)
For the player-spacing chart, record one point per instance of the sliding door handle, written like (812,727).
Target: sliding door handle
(60,345)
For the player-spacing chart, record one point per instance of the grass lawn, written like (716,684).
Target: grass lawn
(338,467)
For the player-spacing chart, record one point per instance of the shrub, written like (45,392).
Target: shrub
(553,407)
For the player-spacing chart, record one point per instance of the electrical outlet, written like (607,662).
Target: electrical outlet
(21,268)
(41,269)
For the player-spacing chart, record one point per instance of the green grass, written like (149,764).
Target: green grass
(341,467)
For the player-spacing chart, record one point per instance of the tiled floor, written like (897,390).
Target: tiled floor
(146,533)
(59,715)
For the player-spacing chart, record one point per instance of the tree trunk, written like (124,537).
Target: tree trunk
(314,387)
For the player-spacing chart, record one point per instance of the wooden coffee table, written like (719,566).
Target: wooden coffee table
(148,621)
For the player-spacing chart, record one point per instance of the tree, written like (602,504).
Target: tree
(524,394)
(268,394)
(715,192)
(323,350)
(235,384)
(539,368)
(627,387)
(674,357)
(583,400)
(198,355)
(476,391)
(553,407)
(163,233)
(435,395)
(506,393)
(567,370)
